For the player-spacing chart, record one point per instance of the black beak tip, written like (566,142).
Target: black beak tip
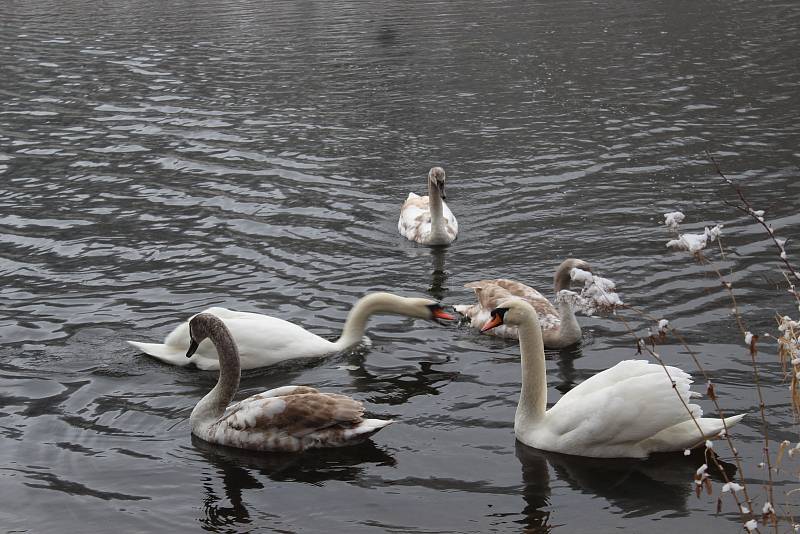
(192,348)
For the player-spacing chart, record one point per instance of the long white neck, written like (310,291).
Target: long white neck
(533,396)
(438,228)
(356,323)
(213,405)
(569,329)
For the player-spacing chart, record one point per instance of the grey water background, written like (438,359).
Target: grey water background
(157,158)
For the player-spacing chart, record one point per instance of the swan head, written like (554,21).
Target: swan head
(427,309)
(201,326)
(436,178)
(418,308)
(511,312)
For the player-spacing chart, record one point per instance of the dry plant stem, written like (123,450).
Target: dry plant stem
(748,210)
(663,365)
(756,378)
(713,398)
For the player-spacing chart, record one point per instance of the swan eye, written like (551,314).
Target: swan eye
(499,312)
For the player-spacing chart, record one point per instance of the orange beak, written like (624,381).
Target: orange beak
(438,313)
(496,320)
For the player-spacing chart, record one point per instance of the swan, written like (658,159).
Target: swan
(627,411)
(264,340)
(288,418)
(427,219)
(560,326)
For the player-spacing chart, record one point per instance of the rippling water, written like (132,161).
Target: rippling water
(157,158)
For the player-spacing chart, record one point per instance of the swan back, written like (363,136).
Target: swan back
(490,293)
(290,418)
(261,339)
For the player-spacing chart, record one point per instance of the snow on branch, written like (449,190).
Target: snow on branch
(598,293)
(673,219)
(694,243)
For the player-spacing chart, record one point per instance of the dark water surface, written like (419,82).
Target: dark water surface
(157,158)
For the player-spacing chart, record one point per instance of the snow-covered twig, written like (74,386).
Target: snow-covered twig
(758,216)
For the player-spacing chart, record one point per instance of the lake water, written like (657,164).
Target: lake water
(157,158)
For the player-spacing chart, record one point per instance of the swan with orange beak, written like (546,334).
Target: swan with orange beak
(628,411)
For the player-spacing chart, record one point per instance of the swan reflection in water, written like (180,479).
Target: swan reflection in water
(439,274)
(637,487)
(239,470)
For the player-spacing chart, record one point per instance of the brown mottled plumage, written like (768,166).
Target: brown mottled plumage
(560,328)
(289,418)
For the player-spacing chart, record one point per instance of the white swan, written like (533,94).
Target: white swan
(560,326)
(264,340)
(629,410)
(427,219)
(289,418)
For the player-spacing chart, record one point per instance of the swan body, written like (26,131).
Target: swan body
(627,411)
(265,340)
(427,219)
(559,325)
(288,419)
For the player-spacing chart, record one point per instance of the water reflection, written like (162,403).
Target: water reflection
(438,275)
(536,492)
(398,389)
(637,487)
(239,470)
(565,363)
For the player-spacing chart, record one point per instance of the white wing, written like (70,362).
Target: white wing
(617,409)
(261,339)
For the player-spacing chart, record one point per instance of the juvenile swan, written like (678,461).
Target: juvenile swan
(627,411)
(289,418)
(427,219)
(560,326)
(264,340)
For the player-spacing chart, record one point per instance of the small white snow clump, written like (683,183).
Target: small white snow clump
(579,275)
(695,242)
(748,338)
(597,293)
(731,486)
(751,525)
(673,219)
(768,509)
(702,470)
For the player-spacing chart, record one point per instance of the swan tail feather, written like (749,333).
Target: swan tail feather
(160,351)
(366,428)
(684,435)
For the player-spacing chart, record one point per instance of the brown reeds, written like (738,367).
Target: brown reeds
(788,352)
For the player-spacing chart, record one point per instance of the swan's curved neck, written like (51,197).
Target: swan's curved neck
(562,278)
(213,405)
(438,227)
(533,396)
(569,327)
(356,323)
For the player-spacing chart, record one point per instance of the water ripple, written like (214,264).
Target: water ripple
(161,158)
